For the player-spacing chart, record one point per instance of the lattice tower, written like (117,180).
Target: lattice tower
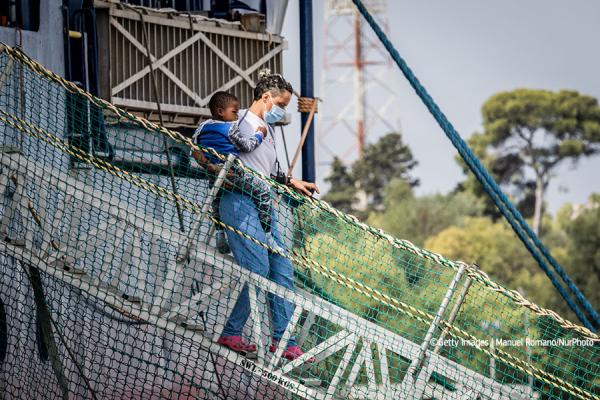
(353,83)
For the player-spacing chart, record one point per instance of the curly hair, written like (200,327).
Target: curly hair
(268,82)
(220,100)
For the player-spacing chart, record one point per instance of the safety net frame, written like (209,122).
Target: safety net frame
(104,295)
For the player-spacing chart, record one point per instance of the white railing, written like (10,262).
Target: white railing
(137,291)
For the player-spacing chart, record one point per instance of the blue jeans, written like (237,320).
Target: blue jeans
(238,211)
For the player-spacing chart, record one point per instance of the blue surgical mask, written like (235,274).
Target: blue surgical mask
(275,114)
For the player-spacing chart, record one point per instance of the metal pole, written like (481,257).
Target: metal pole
(307,126)
(436,321)
(287,155)
(527,347)
(529,353)
(492,359)
(184,251)
(454,312)
(307,86)
(359,87)
(12,12)
(67,48)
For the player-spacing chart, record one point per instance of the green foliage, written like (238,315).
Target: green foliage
(564,116)
(580,254)
(342,194)
(527,133)
(495,248)
(387,159)
(454,225)
(416,219)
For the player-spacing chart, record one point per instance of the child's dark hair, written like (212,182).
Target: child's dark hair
(220,100)
(268,82)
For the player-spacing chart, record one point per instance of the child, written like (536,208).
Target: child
(222,134)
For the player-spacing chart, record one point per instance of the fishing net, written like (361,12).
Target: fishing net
(112,285)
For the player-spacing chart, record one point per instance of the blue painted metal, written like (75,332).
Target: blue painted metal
(307,86)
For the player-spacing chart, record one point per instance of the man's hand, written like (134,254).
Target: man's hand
(307,188)
(262,130)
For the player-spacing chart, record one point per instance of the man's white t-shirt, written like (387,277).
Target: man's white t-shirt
(264,157)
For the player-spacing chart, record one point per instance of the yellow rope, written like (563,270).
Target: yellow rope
(299,259)
(475,274)
(99,163)
(421,316)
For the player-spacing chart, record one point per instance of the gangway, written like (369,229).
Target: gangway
(104,296)
(176,310)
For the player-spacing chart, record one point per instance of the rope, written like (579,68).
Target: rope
(160,115)
(401,244)
(287,155)
(512,215)
(419,315)
(302,260)
(311,113)
(306,104)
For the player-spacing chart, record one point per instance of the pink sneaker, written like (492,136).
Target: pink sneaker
(291,353)
(237,344)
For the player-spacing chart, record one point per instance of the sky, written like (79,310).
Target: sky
(463,52)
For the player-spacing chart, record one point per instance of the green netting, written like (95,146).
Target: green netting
(104,295)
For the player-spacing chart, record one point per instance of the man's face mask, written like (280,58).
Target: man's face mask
(275,114)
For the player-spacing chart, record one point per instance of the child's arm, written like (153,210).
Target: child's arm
(245,143)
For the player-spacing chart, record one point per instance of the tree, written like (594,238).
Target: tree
(494,247)
(382,161)
(582,259)
(410,279)
(521,191)
(418,218)
(342,194)
(528,133)
(388,158)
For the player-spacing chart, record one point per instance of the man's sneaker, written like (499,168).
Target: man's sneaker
(222,244)
(272,243)
(237,344)
(291,353)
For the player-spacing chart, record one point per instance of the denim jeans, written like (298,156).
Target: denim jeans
(238,211)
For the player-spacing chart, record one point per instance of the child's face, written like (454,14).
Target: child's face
(230,113)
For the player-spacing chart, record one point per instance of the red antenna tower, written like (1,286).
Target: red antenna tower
(353,82)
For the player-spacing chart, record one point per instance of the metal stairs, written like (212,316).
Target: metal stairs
(184,304)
